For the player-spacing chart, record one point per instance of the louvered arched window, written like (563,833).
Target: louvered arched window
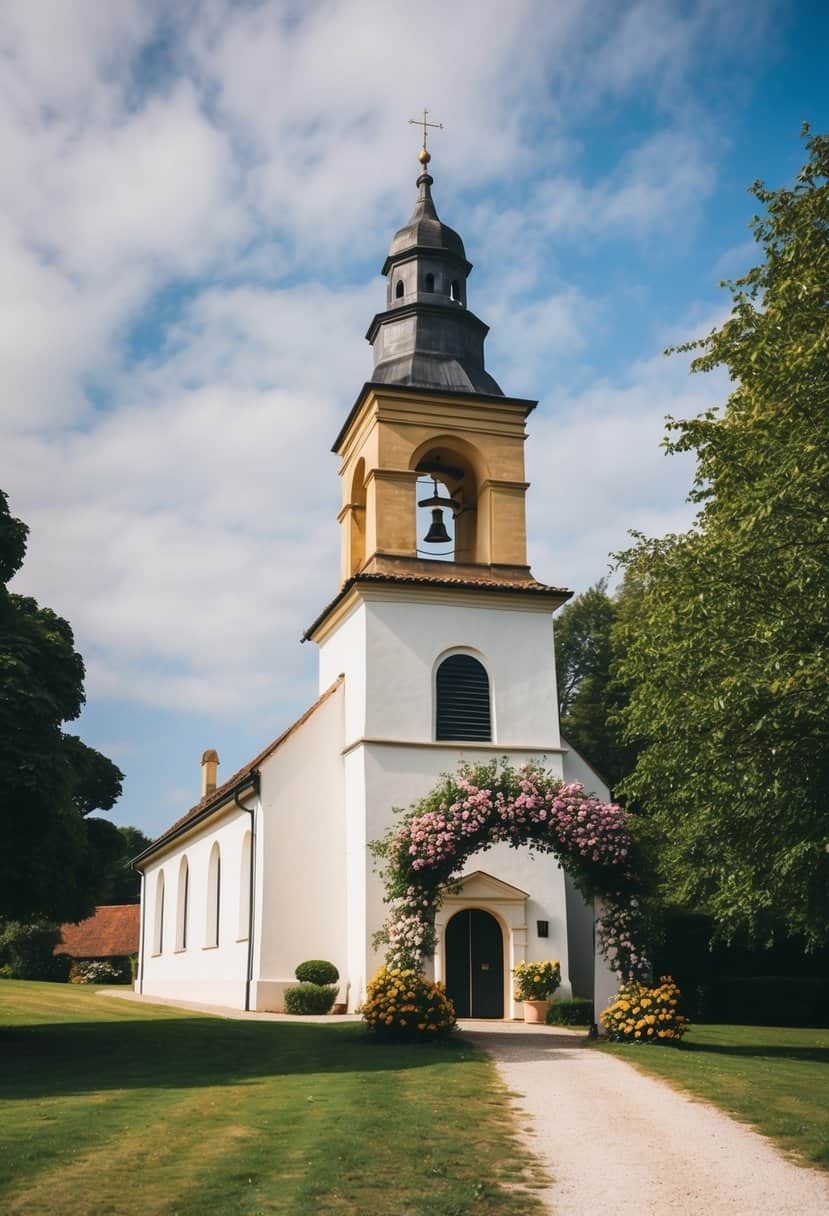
(463,703)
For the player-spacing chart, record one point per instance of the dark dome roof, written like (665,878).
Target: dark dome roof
(424,229)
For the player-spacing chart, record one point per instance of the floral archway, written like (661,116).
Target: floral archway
(479,806)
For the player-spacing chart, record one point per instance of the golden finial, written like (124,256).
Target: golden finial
(424,155)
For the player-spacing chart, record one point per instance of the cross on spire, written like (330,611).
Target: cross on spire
(423,122)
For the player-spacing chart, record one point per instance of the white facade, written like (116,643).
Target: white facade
(329,787)
(207,965)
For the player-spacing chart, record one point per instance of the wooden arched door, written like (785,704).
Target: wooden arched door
(475,964)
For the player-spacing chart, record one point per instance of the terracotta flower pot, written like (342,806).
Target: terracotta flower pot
(535,1012)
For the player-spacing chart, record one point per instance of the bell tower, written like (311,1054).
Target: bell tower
(433,430)
(431,410)
(442,661)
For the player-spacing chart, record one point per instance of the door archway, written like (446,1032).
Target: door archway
(475,964)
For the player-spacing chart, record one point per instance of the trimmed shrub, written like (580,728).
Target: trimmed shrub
(317,971)
(403,1004)
(646,1015)
(309,998)
(575,1012)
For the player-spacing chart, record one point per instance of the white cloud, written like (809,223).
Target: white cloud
(239,163)
(597,468)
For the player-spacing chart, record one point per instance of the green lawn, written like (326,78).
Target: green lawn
(107,1106)
(775,1078)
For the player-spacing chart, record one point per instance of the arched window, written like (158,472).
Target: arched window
(462,691)
(357,527)
(455,290)
(214,897)
(183,909)
(429,284)
(158,927)
(244,888)
(399,290)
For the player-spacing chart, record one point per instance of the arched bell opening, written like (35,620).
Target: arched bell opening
(357,521)
(449,474)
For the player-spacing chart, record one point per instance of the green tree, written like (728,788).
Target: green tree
(49,781)
(589,698)
(725,658)
(122,884)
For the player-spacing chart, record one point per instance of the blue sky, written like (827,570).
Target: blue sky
(196,196)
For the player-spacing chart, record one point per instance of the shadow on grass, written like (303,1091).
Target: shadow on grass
(814,1055)
(65,1059)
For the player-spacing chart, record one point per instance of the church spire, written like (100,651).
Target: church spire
(427,338)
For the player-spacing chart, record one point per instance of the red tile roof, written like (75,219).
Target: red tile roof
(111,932)
(219,795)
(526,586)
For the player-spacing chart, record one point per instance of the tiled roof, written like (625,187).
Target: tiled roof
(221,792)
(112,931)
(529,586)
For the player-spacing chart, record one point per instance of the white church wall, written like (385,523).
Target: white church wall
(358,865)
(397,775)
(342,654)
(302,875)
(197,967)
(404,639)
(580,915)
(576,768)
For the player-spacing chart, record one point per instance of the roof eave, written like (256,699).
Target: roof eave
(379,386)
(249,782)
(559,594)
(418,308)
(413,251)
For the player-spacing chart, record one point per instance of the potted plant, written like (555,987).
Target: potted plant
(535,983)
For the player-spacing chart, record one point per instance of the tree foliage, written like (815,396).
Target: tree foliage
(49,781)
(589,698)
(121,883)
(27,952)
(725,657)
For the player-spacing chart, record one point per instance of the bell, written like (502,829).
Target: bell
(437,534)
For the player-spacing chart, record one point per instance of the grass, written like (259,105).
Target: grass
(772,1077)
(109,1106)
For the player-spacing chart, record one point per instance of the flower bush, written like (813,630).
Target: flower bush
(645,1015)
(402,1004)
(94,971)
(484,805)
(536,981)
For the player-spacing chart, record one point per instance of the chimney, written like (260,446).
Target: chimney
(209,765)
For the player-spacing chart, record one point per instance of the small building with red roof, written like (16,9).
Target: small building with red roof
(111,932)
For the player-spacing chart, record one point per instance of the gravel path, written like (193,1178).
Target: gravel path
(615,1140)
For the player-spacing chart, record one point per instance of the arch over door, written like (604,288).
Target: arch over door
(475,964)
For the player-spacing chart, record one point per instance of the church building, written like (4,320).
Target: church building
(437,648)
